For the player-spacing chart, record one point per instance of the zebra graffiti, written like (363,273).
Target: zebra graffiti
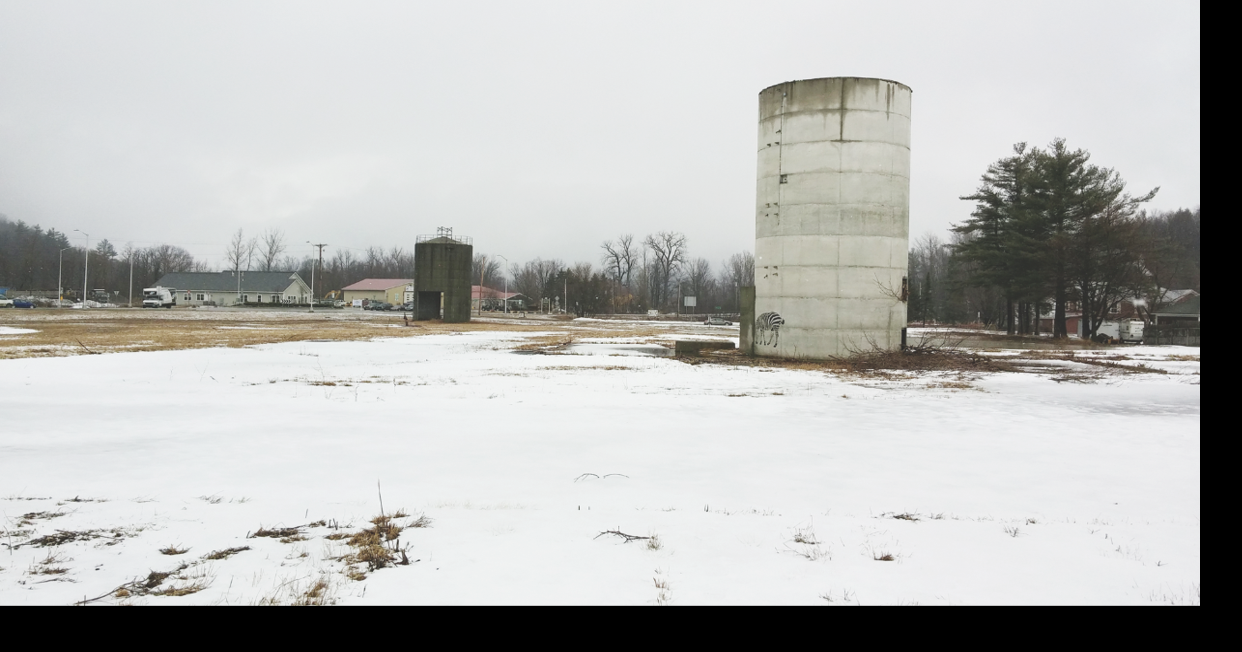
(768,328)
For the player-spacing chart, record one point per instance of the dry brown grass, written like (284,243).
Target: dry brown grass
(586,368)
(50,565)
(77,332)
(316,595)
(881,364)
(275,533)
(74,332)
(378,546)
(225,554)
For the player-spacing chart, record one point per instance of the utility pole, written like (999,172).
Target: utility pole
(566,293)
(131,277)
(482,276)
(86,268)
(320,246)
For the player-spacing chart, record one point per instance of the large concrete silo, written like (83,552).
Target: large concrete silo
(832,220)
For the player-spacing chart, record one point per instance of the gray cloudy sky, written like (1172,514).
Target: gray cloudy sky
(542,128)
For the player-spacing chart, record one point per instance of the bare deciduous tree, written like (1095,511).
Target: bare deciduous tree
(485,267)
(532,279)
(272,246)
(619,258)
(739,270)
(240,251)
(668,251)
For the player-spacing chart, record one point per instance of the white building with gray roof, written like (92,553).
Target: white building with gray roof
(229,288)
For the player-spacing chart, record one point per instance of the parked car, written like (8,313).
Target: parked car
(716,321)
(20,303)
(407,307)
(6,303)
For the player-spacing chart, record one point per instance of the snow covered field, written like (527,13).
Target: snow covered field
(764,485)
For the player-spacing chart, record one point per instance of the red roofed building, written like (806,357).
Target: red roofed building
(494,299)
(391,290)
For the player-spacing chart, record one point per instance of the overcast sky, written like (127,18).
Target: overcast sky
(539,128)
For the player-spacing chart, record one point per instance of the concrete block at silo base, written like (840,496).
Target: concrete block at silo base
(694,347)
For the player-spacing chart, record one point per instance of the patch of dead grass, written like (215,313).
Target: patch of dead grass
(224,554)
(69,333)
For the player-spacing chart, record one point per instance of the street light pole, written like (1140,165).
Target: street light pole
(60,273)
(312,296)
(86,268)
(313,265)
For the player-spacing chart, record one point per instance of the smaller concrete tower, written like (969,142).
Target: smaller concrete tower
(442,276)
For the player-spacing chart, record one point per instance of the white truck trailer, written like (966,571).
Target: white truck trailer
(1126,330)
(159,297)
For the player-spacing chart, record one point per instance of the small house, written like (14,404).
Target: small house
(230,288)
(389,290)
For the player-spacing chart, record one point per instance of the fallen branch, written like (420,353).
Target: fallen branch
(628,537)
(87,350)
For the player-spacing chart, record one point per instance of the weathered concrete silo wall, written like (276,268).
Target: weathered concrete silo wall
(442,277)
(832,219)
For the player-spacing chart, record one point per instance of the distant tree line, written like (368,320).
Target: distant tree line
(34,259)
(1050,231)
(633,276)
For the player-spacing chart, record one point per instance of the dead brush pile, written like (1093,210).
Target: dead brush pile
(873,361)
(378,546)
(915,359)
